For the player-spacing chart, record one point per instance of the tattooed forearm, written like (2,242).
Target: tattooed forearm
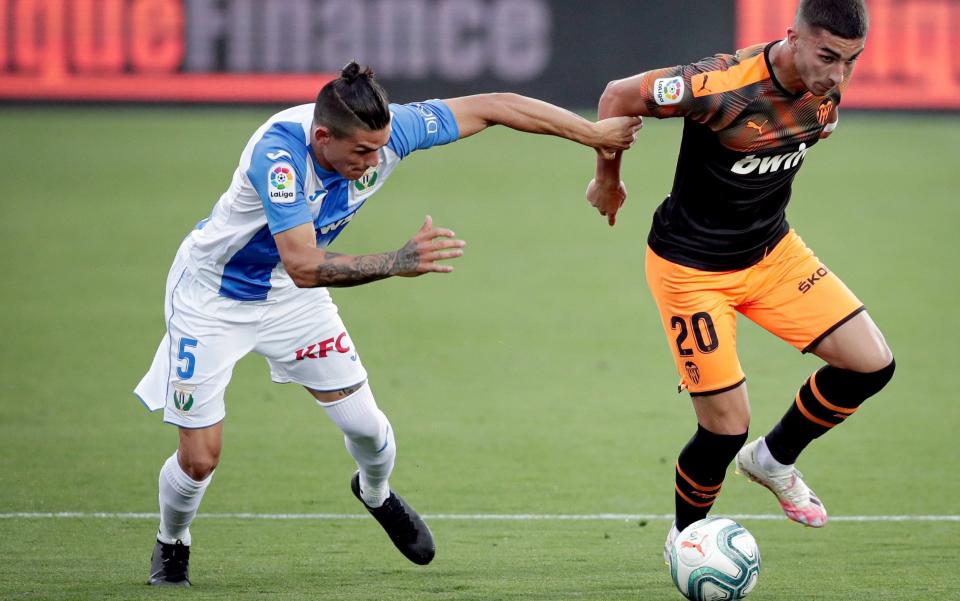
(340,270)
(343,270)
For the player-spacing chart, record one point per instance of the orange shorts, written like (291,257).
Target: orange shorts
(789,293)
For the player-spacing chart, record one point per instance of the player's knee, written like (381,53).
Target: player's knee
(873,356)
(880,359)
(367,431)
(199,465)
(726,413)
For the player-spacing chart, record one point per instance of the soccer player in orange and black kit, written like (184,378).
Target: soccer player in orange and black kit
(720,243)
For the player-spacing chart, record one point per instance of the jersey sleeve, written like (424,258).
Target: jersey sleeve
(277,171)
(704,91)
(421,125)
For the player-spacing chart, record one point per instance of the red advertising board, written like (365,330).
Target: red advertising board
(261,50)
(121,50)
(284,51)
(912,56)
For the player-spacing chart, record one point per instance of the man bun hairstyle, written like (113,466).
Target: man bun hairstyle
(843,18)
(353,100)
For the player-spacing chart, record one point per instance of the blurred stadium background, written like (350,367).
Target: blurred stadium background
(533,381)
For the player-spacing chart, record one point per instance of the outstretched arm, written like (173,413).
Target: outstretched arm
(476,113)
(311,267)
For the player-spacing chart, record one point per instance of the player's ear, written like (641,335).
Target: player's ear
(321,134)
(792,38)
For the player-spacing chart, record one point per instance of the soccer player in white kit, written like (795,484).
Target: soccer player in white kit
(253,276)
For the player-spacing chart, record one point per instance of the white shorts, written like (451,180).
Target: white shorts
(301,336)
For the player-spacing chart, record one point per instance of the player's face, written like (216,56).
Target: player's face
(823,60)
(351,155)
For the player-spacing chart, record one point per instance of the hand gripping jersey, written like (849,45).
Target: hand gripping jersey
(744,138)
(279,185)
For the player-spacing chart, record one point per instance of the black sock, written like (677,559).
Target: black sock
(699,473)
(828,397)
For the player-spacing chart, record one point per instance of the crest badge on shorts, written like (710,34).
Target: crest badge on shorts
(693,372)
(183,396)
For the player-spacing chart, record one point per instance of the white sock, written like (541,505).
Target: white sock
(369,439)
(180,497)
(766,459)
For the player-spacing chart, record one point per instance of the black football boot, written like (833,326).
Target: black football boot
(403,525)
(170,565)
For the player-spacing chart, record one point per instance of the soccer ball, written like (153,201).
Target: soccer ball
(715,559)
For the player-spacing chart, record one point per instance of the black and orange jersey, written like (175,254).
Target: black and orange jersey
(744,138)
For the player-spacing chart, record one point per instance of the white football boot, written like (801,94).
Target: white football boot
(797,500)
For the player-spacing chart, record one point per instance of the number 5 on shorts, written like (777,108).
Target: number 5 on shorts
(186,372)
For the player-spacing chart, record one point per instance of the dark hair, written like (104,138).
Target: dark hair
(844,18)
(350,101)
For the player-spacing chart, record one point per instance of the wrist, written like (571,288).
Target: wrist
(594,136)
(405,259)
(605,182)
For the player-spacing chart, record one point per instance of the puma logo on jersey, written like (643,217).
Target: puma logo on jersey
(770,164)
(703,85)
(759,128)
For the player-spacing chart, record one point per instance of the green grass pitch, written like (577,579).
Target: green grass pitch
(535,379)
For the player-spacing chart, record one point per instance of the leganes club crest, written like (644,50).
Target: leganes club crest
(183,396)
(367,180)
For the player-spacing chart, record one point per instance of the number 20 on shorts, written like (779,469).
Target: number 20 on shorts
(704,333)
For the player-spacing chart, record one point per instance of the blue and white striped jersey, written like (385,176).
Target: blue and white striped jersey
(279,185)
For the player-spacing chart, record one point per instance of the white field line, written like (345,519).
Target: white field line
(507,517)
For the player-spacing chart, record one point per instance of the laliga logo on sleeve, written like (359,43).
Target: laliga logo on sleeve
(668,90)
(282,183)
